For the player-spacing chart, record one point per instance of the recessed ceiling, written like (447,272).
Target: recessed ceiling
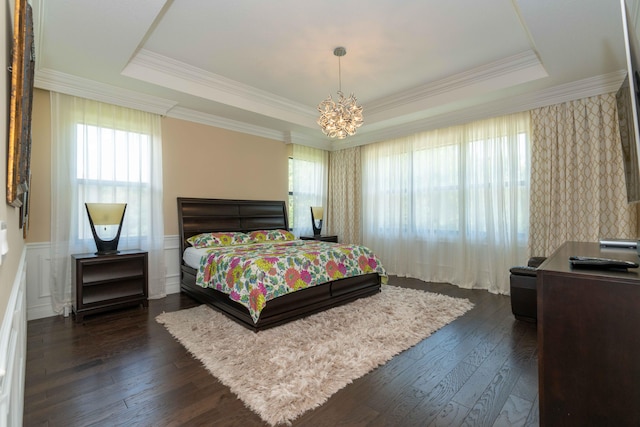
(262,67)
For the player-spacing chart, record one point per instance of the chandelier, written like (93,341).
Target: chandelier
(341,118)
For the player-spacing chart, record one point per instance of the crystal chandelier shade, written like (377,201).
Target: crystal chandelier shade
(341,118)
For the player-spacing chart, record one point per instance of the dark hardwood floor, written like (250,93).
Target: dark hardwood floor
(123,368)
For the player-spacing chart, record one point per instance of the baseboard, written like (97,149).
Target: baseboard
(172,284)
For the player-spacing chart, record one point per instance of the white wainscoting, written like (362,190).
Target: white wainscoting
(38,278)
(172,259)
(13,345)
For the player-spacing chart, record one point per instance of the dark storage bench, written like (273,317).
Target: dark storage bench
(523,290)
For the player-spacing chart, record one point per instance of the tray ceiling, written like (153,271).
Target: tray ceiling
(262,67)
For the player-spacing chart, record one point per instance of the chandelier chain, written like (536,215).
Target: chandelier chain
(339,76)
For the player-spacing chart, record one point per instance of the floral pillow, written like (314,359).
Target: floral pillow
(271,235)
(207,240)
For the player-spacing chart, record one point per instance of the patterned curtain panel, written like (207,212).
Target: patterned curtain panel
(577,176)
(345,197)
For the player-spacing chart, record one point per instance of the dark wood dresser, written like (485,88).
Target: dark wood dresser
(588,340)
(106,282)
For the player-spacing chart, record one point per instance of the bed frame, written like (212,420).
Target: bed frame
(197,216)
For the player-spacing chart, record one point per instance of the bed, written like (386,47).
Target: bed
(197,216)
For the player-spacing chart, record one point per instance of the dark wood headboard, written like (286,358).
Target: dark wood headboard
(197,216)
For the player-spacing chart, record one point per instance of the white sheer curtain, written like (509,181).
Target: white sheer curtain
(104,153)
(309,186)
(451,205)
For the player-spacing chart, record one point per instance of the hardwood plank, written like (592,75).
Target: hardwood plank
(123,368)
(452,415)
(527,385)
(438,396)
(492,400)
(533,420)
(438,356)
(344,409)
(471,391)
(514,413)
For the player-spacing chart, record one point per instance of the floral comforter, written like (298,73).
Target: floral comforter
(256,273)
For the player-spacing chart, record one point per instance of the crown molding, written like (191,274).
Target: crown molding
(525,66)
(170,73)
(73,85)
(579,89)
(224,123)
(287,137)
(321,142)
(89,89)
(77,86)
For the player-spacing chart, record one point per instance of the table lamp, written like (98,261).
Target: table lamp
(106,224)
(317,213)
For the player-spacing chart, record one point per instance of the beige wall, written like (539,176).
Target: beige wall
(198,161)
(8,214)
(203,161)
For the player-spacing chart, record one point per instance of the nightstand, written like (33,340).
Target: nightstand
(333,239)
(107,282)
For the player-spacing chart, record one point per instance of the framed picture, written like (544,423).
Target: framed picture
(22,69)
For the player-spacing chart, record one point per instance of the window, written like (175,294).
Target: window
(307,186)
(450,205)
(104,153)
(111,165)
(435,184)
(449,190)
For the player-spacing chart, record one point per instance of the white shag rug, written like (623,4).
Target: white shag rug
(282,372)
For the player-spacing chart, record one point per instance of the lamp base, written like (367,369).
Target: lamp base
(107,252)
(106,247)
(317,230)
